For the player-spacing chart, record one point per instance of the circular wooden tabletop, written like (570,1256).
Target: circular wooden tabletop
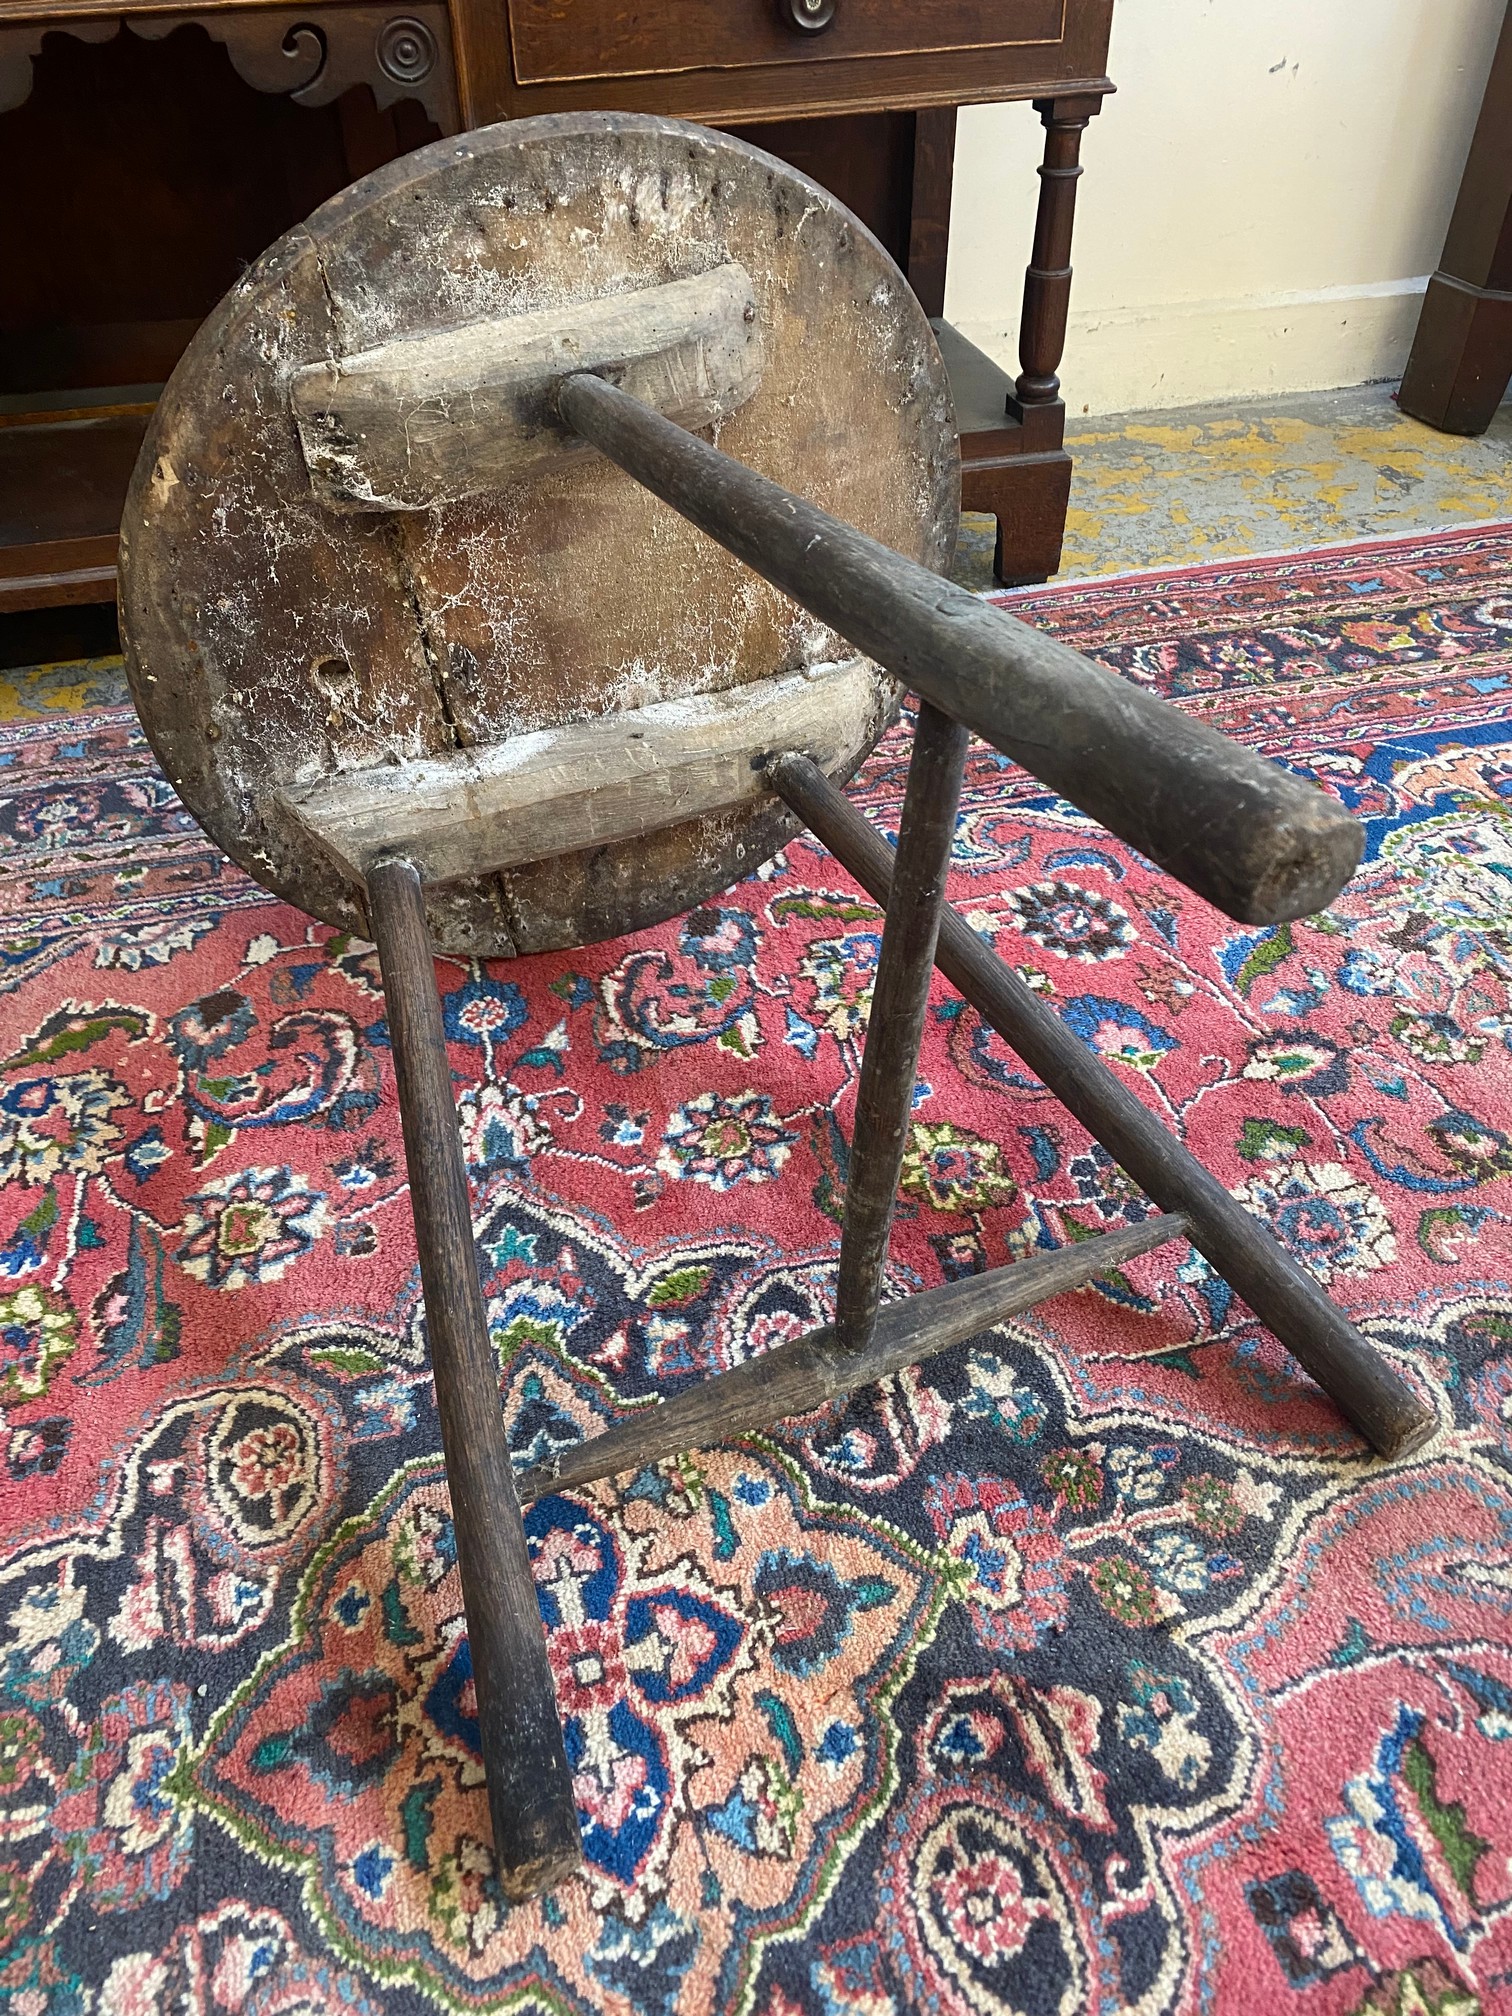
(272,641)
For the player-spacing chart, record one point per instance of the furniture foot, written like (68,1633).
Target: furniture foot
(1462,353)
(1028,496)
(1461,358)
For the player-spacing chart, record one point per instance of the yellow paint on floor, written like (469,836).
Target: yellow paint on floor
(61,689)
(1313,469)
(1166,490)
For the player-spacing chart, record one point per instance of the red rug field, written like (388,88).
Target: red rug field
(1093,1667)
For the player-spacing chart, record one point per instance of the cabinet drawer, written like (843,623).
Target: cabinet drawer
(566,41)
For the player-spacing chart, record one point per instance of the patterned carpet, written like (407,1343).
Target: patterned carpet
(1091,1668)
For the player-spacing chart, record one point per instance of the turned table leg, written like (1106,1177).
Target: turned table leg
(1035,400)
(1047,284)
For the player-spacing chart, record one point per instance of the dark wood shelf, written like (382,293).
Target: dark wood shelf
(144,168)
(63,478)
(981,390)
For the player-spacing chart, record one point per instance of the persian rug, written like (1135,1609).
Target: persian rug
(1092,1667)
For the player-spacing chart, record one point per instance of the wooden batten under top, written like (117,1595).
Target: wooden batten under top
(590,783)
(430,418)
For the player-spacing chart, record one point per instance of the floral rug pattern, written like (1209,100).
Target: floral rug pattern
(1091,1667)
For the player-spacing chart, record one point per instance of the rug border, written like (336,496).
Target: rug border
(1202,569)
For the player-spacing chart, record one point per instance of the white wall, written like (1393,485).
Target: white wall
(1263,200)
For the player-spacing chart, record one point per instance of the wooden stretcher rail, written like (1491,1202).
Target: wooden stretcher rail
(805,1372)
(1365,1388)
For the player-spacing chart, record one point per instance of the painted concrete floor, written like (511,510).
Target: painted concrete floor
(1158,490)
(1266,476)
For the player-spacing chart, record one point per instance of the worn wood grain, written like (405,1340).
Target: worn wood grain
(803,1373)
(1246,834)
(530,1791)
(315,643)
(595,783)
(430,419)
(259,647)
(1368,1391)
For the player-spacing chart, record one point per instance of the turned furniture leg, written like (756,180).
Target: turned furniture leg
(1365,1388)
(1047,284)
(1019,477)
(529,1784)
(900,997)
(1035,401)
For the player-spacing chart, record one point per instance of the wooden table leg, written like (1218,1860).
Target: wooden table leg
(529,1784)
(1029,492)
(1365,1388)
(1047,284)
(890,1060)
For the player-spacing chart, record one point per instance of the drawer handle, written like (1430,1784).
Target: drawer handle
(807,17)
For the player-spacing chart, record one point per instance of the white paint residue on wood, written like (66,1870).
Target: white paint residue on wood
(518,611)
(616,778)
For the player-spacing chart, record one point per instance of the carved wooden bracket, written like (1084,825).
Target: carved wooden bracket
(309,54)
(19,44)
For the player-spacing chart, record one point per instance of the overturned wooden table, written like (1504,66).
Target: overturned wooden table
(373,642)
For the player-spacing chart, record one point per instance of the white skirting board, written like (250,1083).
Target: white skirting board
(1189,353)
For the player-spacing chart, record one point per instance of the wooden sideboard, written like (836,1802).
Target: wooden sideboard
(148,154)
